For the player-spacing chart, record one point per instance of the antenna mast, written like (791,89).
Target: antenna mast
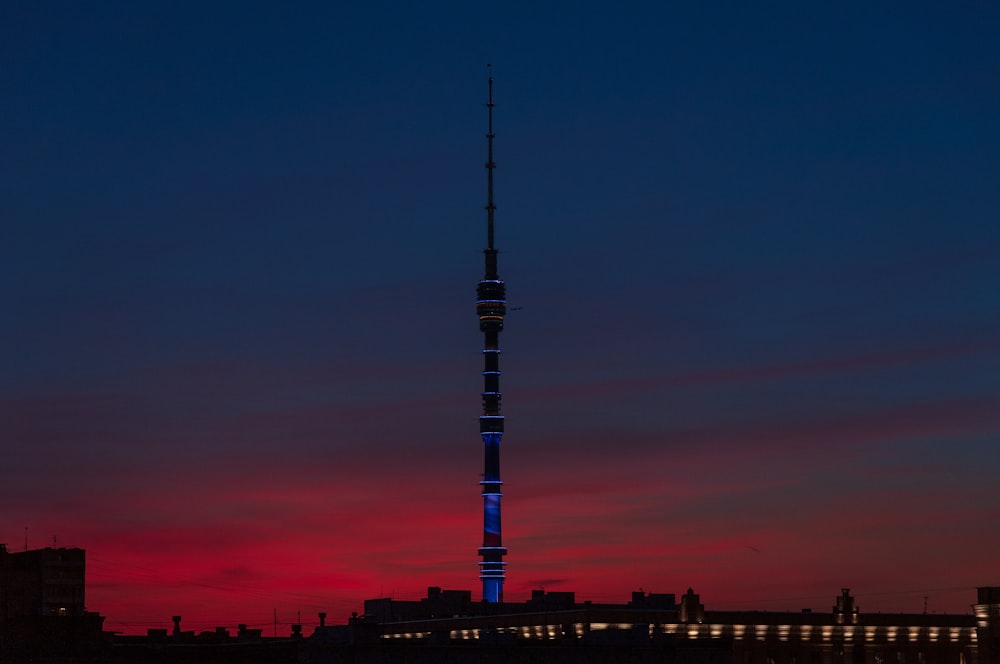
(490,165)
(491,305)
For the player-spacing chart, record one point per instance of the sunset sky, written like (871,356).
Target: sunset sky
(755,251)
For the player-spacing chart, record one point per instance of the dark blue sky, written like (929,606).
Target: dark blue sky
(756,249)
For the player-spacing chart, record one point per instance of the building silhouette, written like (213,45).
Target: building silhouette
(45,582)
(42,609)
(655,627)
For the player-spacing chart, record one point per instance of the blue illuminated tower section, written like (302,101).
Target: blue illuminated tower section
(491,306)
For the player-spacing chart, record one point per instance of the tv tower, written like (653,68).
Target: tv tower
(491,306)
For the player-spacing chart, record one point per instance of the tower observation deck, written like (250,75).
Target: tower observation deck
(491,305)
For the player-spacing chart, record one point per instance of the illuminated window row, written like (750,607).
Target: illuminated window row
(579,629)
(407,635)
(527,632)
(689,630)
(827,633)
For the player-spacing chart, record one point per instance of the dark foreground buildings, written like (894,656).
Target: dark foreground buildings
(44,620)
(656,628)
(42,611)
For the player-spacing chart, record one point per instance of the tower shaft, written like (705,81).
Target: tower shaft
(491,305)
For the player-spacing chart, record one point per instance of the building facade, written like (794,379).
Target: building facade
(42,605)
(647,623)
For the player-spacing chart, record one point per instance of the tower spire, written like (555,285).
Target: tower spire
(491,305)
(490,165)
